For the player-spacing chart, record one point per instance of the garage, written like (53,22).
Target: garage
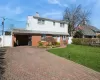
(23,40)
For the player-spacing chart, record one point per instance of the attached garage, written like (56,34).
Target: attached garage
(32,37)
(22,40)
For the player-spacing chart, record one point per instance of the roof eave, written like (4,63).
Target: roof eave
(50,19)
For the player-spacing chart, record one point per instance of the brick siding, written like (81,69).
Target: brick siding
(36,39)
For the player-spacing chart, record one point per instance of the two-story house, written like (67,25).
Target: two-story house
(38,28)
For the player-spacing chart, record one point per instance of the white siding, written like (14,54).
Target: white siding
(32,24)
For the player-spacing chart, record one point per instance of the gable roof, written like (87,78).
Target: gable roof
(59,21)
(94,28)
(88,30)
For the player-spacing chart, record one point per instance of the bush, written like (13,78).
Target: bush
(76,41)
(98,36)
(50,40)
(86,41)
(40,43)
(65,42)
(78,34)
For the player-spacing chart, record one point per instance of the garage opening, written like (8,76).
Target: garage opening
(23,40)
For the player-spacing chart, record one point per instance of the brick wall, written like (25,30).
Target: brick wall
(13,40)
(61,41)
(35,39)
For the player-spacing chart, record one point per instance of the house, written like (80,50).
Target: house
(88,31)
(37,29)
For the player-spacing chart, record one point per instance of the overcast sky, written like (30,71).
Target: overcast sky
(20,9)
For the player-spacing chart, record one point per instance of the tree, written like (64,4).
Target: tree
(75,16)
(78,34)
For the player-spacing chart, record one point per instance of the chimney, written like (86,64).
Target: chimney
(37,14)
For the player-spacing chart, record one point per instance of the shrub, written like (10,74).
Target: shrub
(65,42)
(76,41)
(86,41)
(50,40)
(78,34)
(57,43)
(98,36)
(40,43)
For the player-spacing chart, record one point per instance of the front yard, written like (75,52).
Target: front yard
(85,55)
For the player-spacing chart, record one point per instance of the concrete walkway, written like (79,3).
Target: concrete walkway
(27,63)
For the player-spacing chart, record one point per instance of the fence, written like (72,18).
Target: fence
(6,41)
(70,40)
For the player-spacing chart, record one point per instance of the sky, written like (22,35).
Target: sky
(16,11)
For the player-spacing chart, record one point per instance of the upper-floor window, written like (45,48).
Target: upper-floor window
(62,24)
(40,21)
(28,24)
(54,23)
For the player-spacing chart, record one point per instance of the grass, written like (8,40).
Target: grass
(85,55)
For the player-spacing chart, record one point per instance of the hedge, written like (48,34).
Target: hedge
(86,41)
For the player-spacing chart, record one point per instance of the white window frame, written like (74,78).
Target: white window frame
(43,36)
(64,37)
(62,24)
(54,23)
(40,21)
(54,36)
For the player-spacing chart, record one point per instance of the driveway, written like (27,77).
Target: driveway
(28,63)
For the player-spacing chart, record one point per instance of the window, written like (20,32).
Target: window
(7,33)
(54,23)
(62,24)
(64,37)
(40,21)
(54,36)
(43,36)
(28,24)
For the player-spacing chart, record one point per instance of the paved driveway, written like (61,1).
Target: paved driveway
(27,63)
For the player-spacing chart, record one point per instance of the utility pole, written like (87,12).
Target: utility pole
(3,19)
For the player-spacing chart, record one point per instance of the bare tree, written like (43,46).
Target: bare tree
(75,16)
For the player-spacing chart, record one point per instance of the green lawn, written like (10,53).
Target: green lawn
(85,55)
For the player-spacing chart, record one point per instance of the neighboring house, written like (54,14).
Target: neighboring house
(88,31)
(39,28)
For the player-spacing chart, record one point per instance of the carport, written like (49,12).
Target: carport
(23,40)
(23,37)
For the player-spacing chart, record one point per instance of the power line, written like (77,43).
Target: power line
(12,19)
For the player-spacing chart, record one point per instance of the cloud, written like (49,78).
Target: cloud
(65,5)
(58,2)
(9,11)
(54,2)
